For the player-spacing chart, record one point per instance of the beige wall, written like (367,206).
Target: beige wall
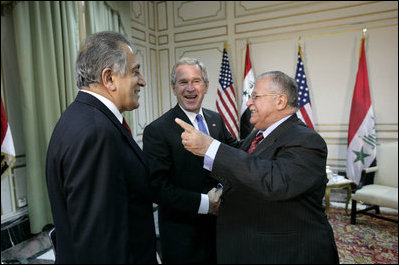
(330,35)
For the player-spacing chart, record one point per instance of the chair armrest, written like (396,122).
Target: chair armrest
(370,169)
(367,176)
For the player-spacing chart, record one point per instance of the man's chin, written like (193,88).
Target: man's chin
(190,107)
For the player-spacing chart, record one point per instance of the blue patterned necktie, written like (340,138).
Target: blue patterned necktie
(201,124)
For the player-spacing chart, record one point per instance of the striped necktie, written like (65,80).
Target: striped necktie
(255,142)
(201,124)
(126,126)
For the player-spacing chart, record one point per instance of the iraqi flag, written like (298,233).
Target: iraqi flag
(7,145)
(248,85)
(361,133)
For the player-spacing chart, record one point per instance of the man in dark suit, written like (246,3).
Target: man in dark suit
(271,209)
(97,175)
(186,195)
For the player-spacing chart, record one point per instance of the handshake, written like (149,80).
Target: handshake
(214,200)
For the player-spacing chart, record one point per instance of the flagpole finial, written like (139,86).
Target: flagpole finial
(364,32)
(299,41)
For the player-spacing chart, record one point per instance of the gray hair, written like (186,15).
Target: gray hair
(189,61)
(99,51)
(283,84)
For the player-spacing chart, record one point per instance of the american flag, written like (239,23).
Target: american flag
(226,97)
(305,107)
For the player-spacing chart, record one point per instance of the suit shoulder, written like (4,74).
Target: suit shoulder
(213,115)
(211,112)
(164,120)
(305,132)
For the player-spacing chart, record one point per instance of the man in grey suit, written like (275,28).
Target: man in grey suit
(187,196)
(271,209)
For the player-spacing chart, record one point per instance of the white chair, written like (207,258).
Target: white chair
(383,190)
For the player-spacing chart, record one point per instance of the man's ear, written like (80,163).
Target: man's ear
(282,101)
(173,89)
(108,79)
(206,87)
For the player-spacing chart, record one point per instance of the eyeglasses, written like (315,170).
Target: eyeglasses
(254,96)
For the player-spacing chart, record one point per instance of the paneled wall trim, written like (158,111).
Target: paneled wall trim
(329,32)
(196,12)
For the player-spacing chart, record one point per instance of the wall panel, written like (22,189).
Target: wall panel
(329,32)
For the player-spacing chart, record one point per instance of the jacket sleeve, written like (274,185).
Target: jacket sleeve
(282,171)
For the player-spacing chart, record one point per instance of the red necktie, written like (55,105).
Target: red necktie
(126,126)
(255,142)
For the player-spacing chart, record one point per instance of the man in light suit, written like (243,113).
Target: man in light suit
(271,209)
(186,195)
(97,176)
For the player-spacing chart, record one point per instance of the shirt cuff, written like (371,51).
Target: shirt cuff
(211,154)
(204,205)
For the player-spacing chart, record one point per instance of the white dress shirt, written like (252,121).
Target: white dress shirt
(204,204)
(108,103)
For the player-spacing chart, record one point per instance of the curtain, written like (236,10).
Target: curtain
(100,16)
(46,42)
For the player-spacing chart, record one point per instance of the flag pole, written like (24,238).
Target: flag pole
(300,46)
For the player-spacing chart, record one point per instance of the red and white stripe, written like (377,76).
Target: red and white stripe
(226,106)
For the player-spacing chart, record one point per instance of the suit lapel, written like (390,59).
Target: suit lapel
(179,113)
(93,101)
(211,122)
(273,136)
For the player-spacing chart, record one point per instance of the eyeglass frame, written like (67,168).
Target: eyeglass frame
(254,96)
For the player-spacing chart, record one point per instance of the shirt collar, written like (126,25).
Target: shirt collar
(108,103)
(192,115)
(274,126)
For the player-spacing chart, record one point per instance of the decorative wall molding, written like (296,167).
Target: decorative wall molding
(251,8)
(152,39)
(137,12)
(138,34)
(163,39)
(200,34)
(162,16)
(141,115)
(198,12)
(164,79)
(151,15)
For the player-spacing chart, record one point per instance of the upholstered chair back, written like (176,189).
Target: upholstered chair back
(387,162)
